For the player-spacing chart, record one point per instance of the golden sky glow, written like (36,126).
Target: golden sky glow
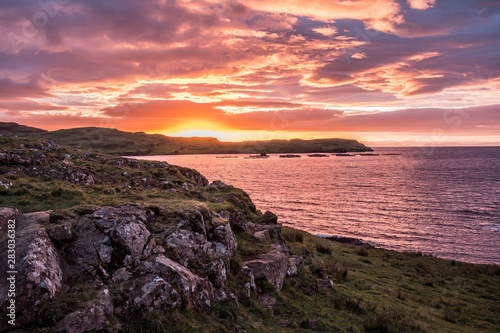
(385,72)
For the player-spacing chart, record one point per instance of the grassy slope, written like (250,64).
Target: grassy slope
(112,141)
(374,290)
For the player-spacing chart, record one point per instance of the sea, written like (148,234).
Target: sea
(442,201)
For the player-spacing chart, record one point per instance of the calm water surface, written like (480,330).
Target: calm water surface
(440,201)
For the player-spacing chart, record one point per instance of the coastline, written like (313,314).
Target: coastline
(260,276)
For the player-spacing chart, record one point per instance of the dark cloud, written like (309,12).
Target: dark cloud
(32,86)
(30,106)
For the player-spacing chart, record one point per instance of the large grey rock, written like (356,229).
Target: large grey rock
(94,317)
(225,243)
(272,265)
(151,292)
(239,222)
(110,236)
(249,280)
(294,262)
(78,175)
(5,183)
(262,236)
(268,233)
(205,245)
(199,291)
(196,178)
(199,221)
(267,218)
(186,246)
(40,269)
(60,232)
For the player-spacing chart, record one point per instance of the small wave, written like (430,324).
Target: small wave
(472,211)
(495,227)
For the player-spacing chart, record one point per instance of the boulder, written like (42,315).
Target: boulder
(294,262)
(269,232)
(225,243)
(151,292)
(5,183)
(239,222)
(217,199)
(199,291)
(186,246)
(121,275)
(325,284)
(40,269)
(94,317)
(262,236)
(217,185)
(78,175)
(248,279)
(272,265)
(267,301)
(196,178)
(48,146)
(60,232)
(125,162)
(155,164)
(109,237)
(267,218)
(198,221)
(208,255)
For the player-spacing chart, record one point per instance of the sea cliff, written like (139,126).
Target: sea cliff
(113,244)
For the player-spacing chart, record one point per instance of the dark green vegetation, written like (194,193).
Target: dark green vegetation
(112,141)
(371,290)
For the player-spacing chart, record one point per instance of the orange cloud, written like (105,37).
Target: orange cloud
(378,13)
(421,4)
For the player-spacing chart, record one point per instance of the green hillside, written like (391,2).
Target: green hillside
(113,141)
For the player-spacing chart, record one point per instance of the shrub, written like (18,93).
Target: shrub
(362,252)
(323,248)
(293,235)
(336,270)
(391,320)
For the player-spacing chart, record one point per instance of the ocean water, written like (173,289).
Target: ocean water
(439,201)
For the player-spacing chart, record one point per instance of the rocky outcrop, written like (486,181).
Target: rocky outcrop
(150,292)
(294,262)
(39,271)
(47,161)
(60,232)
(107,239)
(248,280)
(94,317)
(160,258)
(199,291)
(5,183)
(195,177)
(80,269)
(272,265)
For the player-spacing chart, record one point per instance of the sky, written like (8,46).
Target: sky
(388,73)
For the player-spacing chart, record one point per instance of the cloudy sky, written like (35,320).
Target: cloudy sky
(387,72)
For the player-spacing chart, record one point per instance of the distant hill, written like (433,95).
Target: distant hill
(113,141)
(11,129)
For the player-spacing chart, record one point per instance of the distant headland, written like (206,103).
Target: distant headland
(116,142)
